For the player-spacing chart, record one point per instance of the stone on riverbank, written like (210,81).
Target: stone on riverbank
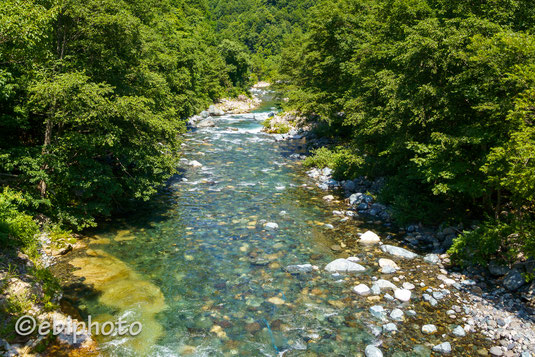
(372,351)
(402,295)
(429,329)
(513,280)
(342,265)
(388,266)
(369,238)
(362,290)
(443,348)
(398,251)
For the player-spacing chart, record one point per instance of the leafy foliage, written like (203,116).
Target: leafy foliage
(437,97)
(93,97)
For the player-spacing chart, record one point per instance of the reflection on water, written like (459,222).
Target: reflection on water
(206,278)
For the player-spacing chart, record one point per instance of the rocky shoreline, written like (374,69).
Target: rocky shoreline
(21,287)
(494,302)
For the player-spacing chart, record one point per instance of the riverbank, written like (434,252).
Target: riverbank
(246,254)
(495,302)
(29,289)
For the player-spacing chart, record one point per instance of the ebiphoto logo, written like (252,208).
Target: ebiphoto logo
(26,325)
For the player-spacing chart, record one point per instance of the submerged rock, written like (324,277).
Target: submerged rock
(390,327)
(300,268)
(388,266)
(378,312)
(397,315)
(459,331)
(402,295)
(271,225)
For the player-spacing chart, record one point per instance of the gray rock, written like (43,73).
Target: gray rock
(342,265)
(372,351)
(397,315)
(432,258)
(513,280)
(213,110)
(402,295)
(384,284)
(496,351)
(388,266)
(362,206)
(459,331)
(300,268)
(429,329)
(438,295)
(497,269)
(443,348)
(398,251)
(206,123)
(375,290)
(390,327)
(431,300)
(349,186)
(408,286)
(355,198)
(378,312)
(369,238)
(362,290)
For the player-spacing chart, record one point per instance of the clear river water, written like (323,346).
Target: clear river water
(204,275)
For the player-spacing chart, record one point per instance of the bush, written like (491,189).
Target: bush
(16,227)
(505,239)
(343,161)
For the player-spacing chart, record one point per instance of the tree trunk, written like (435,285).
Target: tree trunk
(48,136)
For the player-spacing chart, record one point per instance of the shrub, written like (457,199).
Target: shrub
(16,227)
(343,161)
(506,239)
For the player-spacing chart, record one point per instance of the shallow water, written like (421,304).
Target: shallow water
(207,279)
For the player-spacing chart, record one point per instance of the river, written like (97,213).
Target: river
(206,276)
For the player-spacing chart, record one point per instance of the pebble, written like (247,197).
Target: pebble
(408,286)
(429,329)
(390,327)
(459,331)
(342,265)
(377,311)
(443,348)
(396,315)
(369,238)
(402,295)
(362,290)
(372,351)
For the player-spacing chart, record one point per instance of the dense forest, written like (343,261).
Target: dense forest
(93,96)
(438,98)
(435,96)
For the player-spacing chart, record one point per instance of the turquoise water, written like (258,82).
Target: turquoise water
(220,271)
